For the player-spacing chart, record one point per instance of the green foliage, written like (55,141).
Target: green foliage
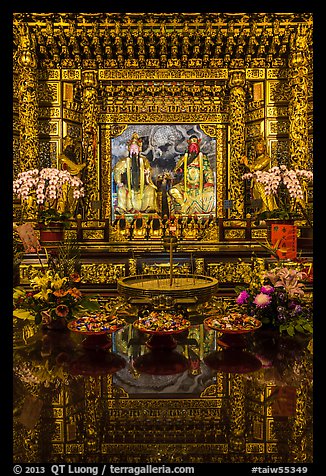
(51,215)
(68,258)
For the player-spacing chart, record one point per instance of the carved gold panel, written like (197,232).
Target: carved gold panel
(49,112)
(280,127)
(277,111)
(15,124)
(49,74)
(279,148)
(49,92)
(258,429)
(254,129)
(235,223)
(257,234)
(173,116)
(234,234)
(71,74)
(93,234)
(58,433)
(26,272)
(57,448)
(49,149)
(75,448)
(70,234)
(271,448)
(228,272)
(72,129)
(102,273)
(255,448)
(255,115)
(255,73)
(58,412)
(278,92)
(162,268)
(270,432)
(276,73)
(59,398)
(49,128)
(151,74)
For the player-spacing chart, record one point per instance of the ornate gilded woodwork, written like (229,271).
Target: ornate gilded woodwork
(237,106)
(28,100)
(298,105)
(90,141)
(101,272)
(166,68)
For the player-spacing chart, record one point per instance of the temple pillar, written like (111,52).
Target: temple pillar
(27,98)
(298,104)
(237,107)
(90,142)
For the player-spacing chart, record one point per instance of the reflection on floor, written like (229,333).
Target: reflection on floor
(196,403)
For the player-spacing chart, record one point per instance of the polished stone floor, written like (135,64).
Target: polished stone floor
(196,402)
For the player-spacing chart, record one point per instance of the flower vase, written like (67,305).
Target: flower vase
(51,235)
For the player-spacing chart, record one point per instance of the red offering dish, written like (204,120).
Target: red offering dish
(162,325)
(97,328)
(232,325)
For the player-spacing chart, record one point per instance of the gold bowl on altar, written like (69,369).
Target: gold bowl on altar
(181,289)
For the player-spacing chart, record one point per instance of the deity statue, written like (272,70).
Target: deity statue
(136,191)
(262,162)
(68,160)
(194,191)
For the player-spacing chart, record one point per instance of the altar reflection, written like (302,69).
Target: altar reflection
(123,403)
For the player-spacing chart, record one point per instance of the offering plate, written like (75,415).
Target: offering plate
(162,326)
(233,326)
(97,329)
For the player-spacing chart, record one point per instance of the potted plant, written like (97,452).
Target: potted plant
(51,195)
(286,185)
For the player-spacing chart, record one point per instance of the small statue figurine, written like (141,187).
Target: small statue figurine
(121,228)
(139,227)
(155,227)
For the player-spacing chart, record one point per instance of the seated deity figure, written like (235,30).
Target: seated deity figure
(136,191)
(194,190)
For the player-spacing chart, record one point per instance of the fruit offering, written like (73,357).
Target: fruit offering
(162,321)
(233,322)
(99,322)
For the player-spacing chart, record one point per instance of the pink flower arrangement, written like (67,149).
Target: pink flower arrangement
(277,298)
